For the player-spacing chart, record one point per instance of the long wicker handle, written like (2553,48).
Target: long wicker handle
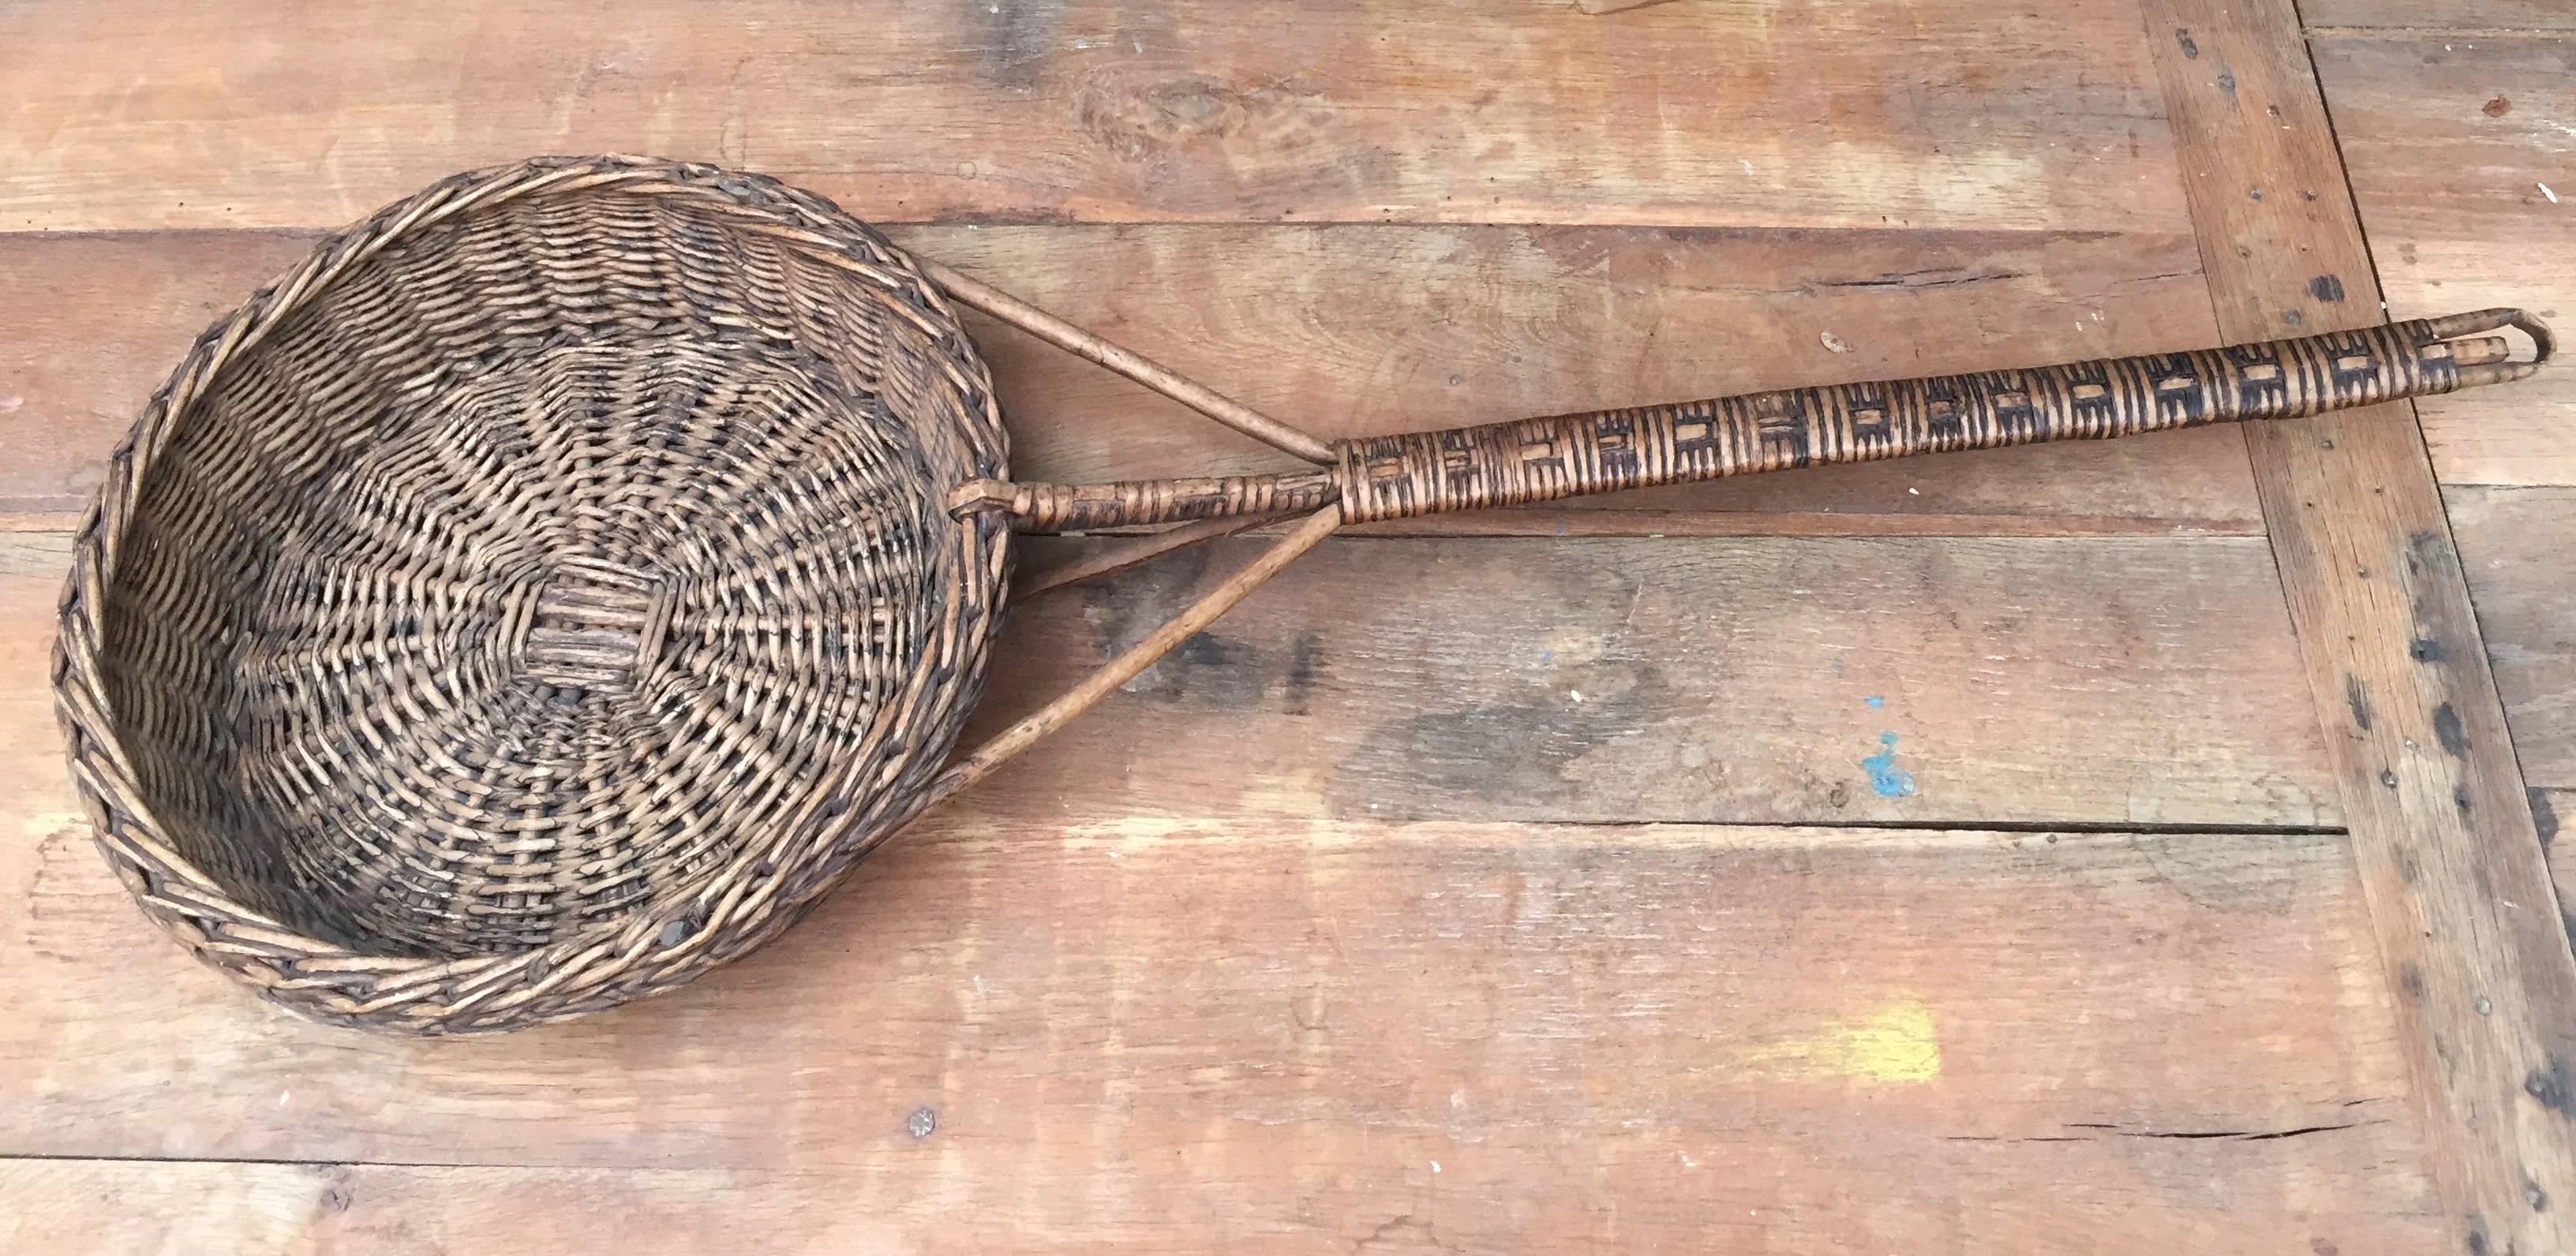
(1390,477)
(1531,460)
(1500,464)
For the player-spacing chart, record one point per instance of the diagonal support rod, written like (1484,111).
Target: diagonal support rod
(975,294)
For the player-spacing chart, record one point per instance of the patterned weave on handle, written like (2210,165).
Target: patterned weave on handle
(1394,477)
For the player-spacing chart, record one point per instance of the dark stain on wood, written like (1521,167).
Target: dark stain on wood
(1305,671)
(1129,605)
(1206,649)
(2189,49)
(2326,288)
(1207,670)
(2551,1086)
(2426,650)
(2357,696)
(2447,730)
(2410,981)
(2430,549)
(1509,755)
(2544,817)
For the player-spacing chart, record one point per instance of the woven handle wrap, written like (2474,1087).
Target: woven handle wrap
(1080,507)
(1531,460)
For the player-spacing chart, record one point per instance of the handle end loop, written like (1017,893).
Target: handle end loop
(2544,343)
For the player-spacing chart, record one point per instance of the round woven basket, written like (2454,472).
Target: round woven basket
(549,588)
(536,597)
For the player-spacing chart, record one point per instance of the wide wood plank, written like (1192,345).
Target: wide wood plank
(71,1207)
(308,114)
(2456,147)
(2442,830)
(2442,15)
(1351,331)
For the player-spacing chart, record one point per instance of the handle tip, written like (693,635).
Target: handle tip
(2544,343)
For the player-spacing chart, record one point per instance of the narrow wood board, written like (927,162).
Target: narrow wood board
(71,1207)
(265,114)
(2456,145)
(2547,807)
(2442,832)
(1350,331)
(2110,681)
(2518,550)
(2451,15)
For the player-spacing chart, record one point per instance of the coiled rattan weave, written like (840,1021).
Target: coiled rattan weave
(552,585)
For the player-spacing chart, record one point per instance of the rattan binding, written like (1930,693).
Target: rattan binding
(550,587)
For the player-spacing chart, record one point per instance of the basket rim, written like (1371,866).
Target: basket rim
(335,982)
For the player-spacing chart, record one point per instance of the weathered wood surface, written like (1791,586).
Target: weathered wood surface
(260,114)
(1699,1201)
(2547,806)
(2518,550)
(2042,680)
(2442,832)
(1486,323)
(2458,16)
(2456,145)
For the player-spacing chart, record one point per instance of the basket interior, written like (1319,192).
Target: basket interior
(551,566)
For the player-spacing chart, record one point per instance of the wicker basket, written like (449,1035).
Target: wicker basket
(548,589)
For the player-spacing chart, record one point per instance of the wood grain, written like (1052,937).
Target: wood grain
(73,1207)
(311,114)
(2450,143)
(2518,550)
(2548,806)
(2442,831)
(2453,15)
(2104,681)
(1353,331)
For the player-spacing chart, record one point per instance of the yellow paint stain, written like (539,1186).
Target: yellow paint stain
(1895,1043)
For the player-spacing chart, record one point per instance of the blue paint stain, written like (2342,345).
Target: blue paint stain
(1874,701)
(1887,779)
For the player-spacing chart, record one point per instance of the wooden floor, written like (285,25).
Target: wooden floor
(2133,848)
